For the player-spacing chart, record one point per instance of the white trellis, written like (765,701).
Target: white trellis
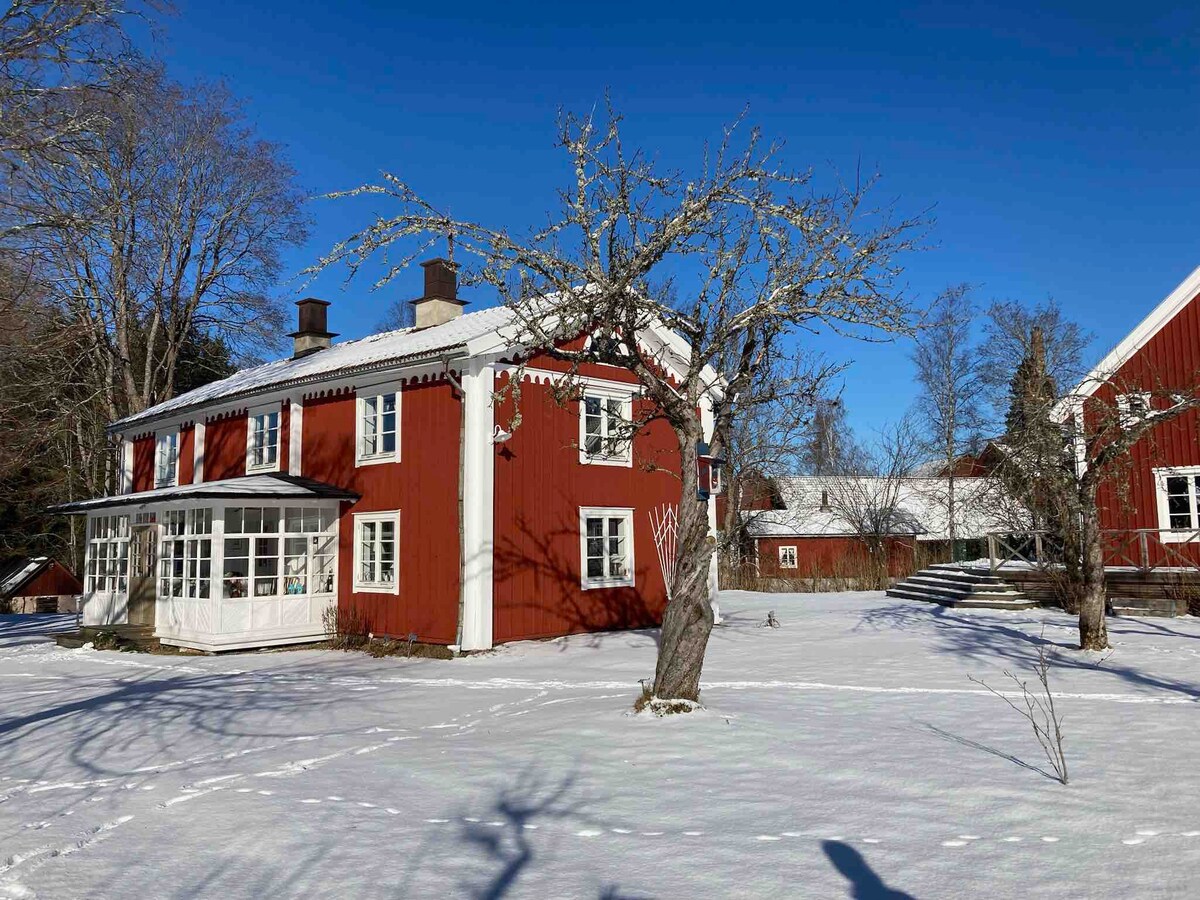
(664,525)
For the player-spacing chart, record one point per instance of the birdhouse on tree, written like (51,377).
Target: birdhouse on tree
(709,472)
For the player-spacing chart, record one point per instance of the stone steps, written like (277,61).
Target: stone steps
(1149,607)
(948,585)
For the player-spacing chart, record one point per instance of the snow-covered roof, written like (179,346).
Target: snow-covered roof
(375,351)
(1171,305)
(20,572)
(920,507)
(273,485)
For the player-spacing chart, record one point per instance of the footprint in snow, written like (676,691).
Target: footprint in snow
(1011,839)
(954,843)
(1189,834)
(434,821)
(968,837)
(692,833)
(589,832)
(1131,841)
(1049,839)
(767,837)
(1147,832)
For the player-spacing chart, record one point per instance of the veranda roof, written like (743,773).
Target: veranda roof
(271,486)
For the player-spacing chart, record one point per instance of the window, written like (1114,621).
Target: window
(376,536)
(606,547)
(787,557)
(271,551)
(1178,503)
(262,434)
(107,554)
(166,459)
(1132,408)
(604,421)
(185,555)
(378,434)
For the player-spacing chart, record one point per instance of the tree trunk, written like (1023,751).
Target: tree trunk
(688,618)
(1093,632)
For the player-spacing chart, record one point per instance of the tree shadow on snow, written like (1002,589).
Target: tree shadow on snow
(976,745)
(977,635)
(864,883)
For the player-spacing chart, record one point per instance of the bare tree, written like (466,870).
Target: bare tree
(55,56)
(766,439)
(740,253)
(1009,328)
(869,495)
(182,213)
(948,405)
(827,444)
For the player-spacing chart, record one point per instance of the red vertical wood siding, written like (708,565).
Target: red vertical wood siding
(143,463)
(54,580)
(187,454)
(540,486)
(830,556)
(285,436)
(423,486)
(225,448)
(1170,361)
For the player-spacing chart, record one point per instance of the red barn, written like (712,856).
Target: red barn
(385,477)
(1150,506)
(38,584)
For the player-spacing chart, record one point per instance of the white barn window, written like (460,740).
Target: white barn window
(262,441)
(166,459)
(606,547)
(1178,493)
(787,557)
(378,438)
(376,542)
(604,420)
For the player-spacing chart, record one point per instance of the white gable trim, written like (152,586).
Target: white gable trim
(1158,319)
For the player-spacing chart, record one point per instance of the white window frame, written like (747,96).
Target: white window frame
(160,438)
(624,451)
(360,406)
(1126,411)
(606,512)
(786,550)
(1167,534)
(254,415)
(376,587)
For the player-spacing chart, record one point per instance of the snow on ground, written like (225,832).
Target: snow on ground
(843,754)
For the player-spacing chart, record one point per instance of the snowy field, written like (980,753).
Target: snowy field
(844,754)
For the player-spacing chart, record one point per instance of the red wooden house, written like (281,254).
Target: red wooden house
(1150,506)
(38,584)
(382,476)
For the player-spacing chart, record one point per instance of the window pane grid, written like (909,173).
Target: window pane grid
(271,552)
(606,549)
(377,426)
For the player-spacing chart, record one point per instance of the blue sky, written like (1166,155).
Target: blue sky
(1055,144)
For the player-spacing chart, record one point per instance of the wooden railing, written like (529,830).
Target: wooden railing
(1143,549)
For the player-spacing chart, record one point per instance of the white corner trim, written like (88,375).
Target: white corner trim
(479,473)
(126,466)
(1158,319)
(198,453)
(295,437)
(586,512)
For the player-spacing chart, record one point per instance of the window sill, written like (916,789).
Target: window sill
(377,459)
(359,588)
(616,461)
(595,584)
(1190,536)
(258,470)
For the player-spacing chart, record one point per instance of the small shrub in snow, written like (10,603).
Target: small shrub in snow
(1037,708)
(770,621)
(346,628)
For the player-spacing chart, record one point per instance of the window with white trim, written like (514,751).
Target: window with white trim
(107,554)
(166,459)
(262,441)
(185,554)
(787,557)
(604,422)
(1178,503)
(376,547)
(378,430)
(1132,408)
(606,547)
(271,551)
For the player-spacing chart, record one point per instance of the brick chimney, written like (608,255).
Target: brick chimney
(440,303)
(313,333)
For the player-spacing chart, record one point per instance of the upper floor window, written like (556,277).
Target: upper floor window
(1178,503)
(604,427)
(166,459)
(606,547)
(262,441)
(1132,408)
(378,428)
(376,538)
